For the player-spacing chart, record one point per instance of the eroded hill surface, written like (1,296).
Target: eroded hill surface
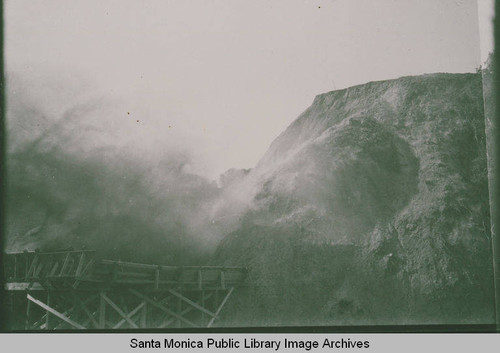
(371,208)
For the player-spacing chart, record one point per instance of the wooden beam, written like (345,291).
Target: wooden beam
(123,305)
(216,300)
(130,314)
(118,310)
(65,264)
(38,269)
(80,265)
(55,312)
(157,278)
(179,310)
(102,311)
(206,297)
(83,273)
(82,306)
(72,308)
(222,280)
(39,322)
(26,267)
(47,318)
(23,286)
(152,267)
(190,302)
(202,302)
(87,268)
(48,252)
(32,266)
(184,312)
(27,318)
(167,322)
(54,269)
(161,307)
(137,266)
(144,315)
(220,306)
(15,266)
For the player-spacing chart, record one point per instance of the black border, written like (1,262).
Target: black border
(3,173)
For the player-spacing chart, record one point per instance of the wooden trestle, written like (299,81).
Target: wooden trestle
(71,290)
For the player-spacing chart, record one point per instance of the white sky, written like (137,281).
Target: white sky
(486,12)
(228,76)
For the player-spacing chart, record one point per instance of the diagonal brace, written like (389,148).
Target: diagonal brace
(193,304)
(55,312)
(130,314)
(161,307)
(220,306)
(118,310)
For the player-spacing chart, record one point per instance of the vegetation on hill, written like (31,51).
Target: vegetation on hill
(372,208)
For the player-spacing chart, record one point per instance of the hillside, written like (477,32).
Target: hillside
(370,208)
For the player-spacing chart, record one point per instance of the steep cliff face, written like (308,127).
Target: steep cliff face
(371,207)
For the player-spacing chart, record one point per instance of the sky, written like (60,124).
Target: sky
(224,78)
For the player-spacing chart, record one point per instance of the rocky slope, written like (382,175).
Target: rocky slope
(371,208)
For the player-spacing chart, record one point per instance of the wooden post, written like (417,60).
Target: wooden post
(32,267)
(27,319)
(26,268)
(119,311)
(190,302)
(202,302)
(47,312)
(83,273)
(72,309)
(123,303)
(55,312)
(15,266)
(222,279)
(162,307)
(82,305)
(38,269)
(149,316)
(179,309)
(54,269)
(102,311)
(128,317)
(11,302)
(220,306)
(80,265)
(157,278)
(65,264)
(216,299)
(144,316)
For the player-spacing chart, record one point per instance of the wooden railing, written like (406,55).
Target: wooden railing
(36,266)
(70,269)
(194,277)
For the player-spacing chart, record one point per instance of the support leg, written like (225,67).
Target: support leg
(27,319)
(202,301)
(47,312)
(102,311)
(144,316)
(179,310)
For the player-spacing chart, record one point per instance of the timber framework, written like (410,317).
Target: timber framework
(73,290)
